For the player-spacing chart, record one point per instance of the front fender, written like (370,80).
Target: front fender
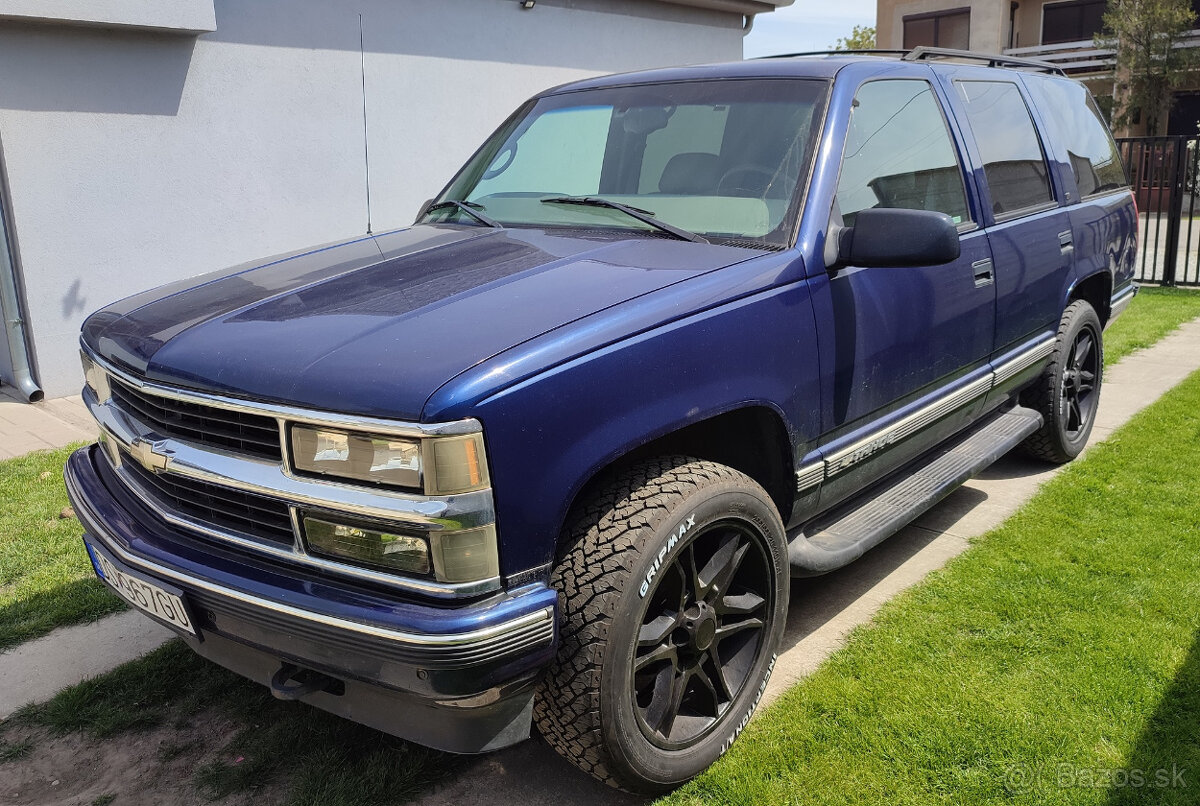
(549,434)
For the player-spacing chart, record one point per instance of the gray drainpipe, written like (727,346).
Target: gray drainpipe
(10,307)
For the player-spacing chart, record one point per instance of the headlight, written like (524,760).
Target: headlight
(95,378)
(363,457)
(437,465)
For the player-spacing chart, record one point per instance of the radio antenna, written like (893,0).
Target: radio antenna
(362,53)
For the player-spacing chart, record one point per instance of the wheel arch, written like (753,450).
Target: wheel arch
(1096,290)
(752,439)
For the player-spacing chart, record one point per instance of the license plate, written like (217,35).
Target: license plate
(141,593)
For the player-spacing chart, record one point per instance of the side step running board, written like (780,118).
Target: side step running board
(833,541)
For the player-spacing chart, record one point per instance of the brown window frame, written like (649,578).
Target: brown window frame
(1068,4)
(936,16)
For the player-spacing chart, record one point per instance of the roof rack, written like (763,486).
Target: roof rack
(991,59)
(870,52)
(923,53)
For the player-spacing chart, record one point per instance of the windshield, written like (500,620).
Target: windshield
(722,159)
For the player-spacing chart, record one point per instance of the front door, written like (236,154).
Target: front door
(910,345)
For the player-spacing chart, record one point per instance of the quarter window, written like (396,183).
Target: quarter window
(943,29)
(899,153)
(1076,122)
(1012,155)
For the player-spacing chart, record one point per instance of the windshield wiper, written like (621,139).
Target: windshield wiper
(645,216)
(470,208)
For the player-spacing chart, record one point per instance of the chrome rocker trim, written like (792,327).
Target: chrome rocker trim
(847,457)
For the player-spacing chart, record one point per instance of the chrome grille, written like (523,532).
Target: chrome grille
(222,507)
(249,434)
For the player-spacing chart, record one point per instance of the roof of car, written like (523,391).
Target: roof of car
(803,65)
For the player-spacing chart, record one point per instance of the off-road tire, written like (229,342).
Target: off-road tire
(586,706)
(1056,441)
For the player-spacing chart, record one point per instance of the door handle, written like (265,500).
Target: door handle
(1066,242)
(983,272)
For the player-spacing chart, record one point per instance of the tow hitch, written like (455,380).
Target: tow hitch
(292,682)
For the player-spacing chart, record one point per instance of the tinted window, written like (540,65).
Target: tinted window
(722,158)
(1008,143)
(1072,22)
(899,153)
(1075,121)
(949,29)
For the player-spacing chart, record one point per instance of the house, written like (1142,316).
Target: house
(1061,32)
(147,142)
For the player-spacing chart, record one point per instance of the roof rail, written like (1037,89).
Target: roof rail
(924,53)
(869,52)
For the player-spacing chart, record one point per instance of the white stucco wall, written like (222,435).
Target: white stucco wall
(137,158)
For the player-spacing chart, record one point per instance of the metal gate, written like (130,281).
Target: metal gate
(1163,173)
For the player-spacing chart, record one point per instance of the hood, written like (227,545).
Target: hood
(375,326)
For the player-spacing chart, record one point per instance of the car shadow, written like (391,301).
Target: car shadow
(1164,765)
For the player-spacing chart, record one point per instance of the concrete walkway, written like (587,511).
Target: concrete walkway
(26,427)
(36,670)
(823,610)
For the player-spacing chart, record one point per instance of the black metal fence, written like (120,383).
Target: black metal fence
(1163,172)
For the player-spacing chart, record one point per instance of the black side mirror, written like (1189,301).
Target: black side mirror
(883,237)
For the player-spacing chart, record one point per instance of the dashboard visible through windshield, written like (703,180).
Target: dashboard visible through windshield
(700,160)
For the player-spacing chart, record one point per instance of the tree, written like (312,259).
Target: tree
(1145,34)
(861,38)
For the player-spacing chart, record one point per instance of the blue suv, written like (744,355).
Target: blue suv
(553,453)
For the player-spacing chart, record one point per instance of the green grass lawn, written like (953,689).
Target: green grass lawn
(1056,662)
(45,577)
(1154,313)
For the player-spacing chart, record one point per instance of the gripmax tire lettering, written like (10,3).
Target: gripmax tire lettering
(673,588)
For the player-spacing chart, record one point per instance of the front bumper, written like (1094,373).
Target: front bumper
(456,678)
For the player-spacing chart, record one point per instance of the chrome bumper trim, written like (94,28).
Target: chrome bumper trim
(531,622)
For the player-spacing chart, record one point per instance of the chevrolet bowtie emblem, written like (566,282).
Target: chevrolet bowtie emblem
(154,456)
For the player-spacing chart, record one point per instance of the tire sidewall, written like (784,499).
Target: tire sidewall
(1084,316)
(635,756)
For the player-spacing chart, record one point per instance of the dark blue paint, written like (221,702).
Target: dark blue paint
(576,348)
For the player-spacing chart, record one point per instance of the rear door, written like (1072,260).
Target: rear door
(1028,228)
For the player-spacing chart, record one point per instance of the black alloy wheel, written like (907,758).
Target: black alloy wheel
(1068,392)
(1080,392)
(673,585)
(703,630)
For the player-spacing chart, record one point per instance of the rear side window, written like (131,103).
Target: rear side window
(899,153)
(1075,122)
(1008,144)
